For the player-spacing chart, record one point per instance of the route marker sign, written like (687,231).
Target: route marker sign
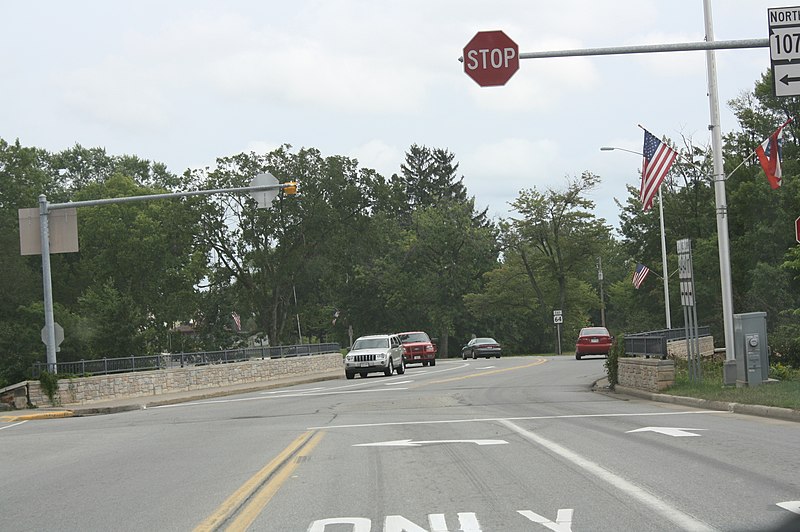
(784,49)
(491,58)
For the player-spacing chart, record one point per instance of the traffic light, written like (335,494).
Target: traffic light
(290,188)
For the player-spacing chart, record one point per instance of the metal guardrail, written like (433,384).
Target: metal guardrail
(105,366)
(654,343)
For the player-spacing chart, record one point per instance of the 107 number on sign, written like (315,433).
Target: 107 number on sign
(785,44)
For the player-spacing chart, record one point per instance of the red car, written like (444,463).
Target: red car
(593,341)
(417,347)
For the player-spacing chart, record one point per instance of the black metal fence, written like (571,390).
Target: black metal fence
(104,366)
(654,343)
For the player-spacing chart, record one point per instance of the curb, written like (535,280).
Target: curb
(38,415)
(775,412)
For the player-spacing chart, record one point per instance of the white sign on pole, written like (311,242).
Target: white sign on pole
(63,229)
(558,318)
(784,47)
(264,198)
(59,334)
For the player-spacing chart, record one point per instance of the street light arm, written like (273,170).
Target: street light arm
(612,148)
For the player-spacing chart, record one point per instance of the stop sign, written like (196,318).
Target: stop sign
(491,58)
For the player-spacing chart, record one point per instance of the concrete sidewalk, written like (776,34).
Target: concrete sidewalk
(139,403)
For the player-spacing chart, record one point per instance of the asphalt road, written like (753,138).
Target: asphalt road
(480,445)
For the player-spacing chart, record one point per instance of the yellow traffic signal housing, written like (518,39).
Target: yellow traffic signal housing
(290,187)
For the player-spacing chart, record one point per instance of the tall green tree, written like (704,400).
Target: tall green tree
(558,239)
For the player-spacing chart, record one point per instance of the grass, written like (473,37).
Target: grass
(783,393)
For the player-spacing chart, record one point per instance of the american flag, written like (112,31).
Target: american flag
(658,159)
(639,275)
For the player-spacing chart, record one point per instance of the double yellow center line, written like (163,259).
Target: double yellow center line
(239,510)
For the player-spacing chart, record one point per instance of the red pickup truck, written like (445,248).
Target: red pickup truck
(418,348)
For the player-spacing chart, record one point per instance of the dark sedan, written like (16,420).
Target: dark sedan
(481,347)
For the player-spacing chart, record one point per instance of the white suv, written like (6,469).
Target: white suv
(378,352)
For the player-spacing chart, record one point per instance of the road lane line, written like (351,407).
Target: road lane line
(260,499)
(14,425)
(500,419)
(396,383)
(230,505)
(289,390)
(484,373)
(262,398)
(682,520)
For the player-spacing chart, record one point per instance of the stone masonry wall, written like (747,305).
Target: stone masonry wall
(677,348)
(86,390)
(649,374)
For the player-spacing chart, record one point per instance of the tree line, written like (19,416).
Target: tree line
(358,251)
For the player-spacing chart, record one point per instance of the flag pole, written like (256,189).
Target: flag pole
(664,259)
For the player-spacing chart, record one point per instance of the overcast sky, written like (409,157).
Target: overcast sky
(186,81)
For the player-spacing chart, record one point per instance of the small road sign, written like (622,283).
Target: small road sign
(797,229)
(264,198)
(59,334)
(491,58)
(558,318)
(784,49)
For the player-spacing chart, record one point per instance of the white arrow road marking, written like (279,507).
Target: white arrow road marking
(669,431)
(409,443)
(792,506)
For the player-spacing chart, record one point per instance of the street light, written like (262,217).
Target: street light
(663,238)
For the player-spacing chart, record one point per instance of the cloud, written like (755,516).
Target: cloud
(496,172)
(378,155)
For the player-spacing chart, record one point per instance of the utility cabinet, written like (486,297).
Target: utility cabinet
(750,348)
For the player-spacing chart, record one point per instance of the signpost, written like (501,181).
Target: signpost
(784,50)
(558,319)
(491,58)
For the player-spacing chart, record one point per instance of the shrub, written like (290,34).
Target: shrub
(785,344)
(49,383)
(612,366)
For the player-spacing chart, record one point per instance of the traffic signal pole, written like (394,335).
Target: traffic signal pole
(729,367)
(44,223)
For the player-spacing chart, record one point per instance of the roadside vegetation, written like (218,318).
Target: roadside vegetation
(782,390)
(356,252)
